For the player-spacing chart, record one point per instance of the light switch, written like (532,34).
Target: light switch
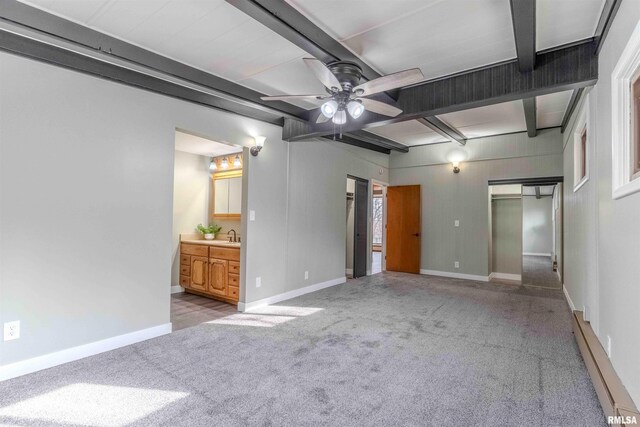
(456,223)
(252,215)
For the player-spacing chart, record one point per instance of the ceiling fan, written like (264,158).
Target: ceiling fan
(344,93)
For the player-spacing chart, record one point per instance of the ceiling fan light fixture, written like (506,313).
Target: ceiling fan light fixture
(340,117)
(355,109)
(329,108)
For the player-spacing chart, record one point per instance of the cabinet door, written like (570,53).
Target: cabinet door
(199,273)
(218,270)
(235,195)
(221,196)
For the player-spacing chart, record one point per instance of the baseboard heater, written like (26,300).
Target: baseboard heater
(613,396)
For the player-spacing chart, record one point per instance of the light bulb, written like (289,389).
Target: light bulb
(212,165)
(259,140)
(236,161)
(355,109)
(329,108)
(340,117)
(224,163)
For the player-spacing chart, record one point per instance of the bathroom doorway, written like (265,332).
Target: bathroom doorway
(378,226)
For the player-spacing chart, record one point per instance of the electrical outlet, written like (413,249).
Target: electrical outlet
(456,264)
(252,215)
(306,275)
(609,346)
(12,330)
(456,223)
(258,282)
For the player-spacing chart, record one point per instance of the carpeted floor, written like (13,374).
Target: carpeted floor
(390,349)
(538,271)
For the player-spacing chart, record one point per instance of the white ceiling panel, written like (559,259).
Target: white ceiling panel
(560,22)
(409,133)
(490,120)
(551,108)
(202,146)
(439,37)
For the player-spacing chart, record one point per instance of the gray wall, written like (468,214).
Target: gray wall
(601,234)
(447,196)
(506,226)
(537,225)
(190,201)
(86,194)
(300,204)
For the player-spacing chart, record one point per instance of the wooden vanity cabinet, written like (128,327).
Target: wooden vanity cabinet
(211,271)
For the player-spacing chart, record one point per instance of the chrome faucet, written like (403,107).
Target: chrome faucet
(234,238)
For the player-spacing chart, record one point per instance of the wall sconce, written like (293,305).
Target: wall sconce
(259,144)
(236,162)
(456,167)
(224,164)
(213,166)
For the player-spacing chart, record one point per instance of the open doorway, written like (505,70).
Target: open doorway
(378,224)
(539,231)
(207,211)
(525,228)
(356,236)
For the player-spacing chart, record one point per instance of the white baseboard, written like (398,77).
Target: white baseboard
(566,295)
(176,289)
(455,275)
(536,254)
(506,276)
(50,360)
(348,271)
(291,294)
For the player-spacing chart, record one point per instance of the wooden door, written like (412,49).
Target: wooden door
(199,273)
(403,228)
(218,271)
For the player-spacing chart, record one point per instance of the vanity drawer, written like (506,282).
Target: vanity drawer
(233,292)
(185,259)
(230,254)
(184,281)
(234,280)
(234,267)
(199,250)
(185,270)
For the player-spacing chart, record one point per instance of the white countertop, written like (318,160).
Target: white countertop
(221,243)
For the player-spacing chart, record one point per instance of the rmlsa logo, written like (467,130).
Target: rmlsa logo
(620,420)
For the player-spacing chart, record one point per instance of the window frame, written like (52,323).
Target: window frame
(581,155)
(625,175)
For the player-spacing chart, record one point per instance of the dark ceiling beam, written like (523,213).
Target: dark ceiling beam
(530,116)
(443,129)
(380,141)
(357,142)
(573,103)
(231,94)
(558,70)
(286,21)
(604,23)
(33,49)
(523,17)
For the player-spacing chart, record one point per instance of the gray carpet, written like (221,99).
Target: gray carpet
(538,271)
(390,349)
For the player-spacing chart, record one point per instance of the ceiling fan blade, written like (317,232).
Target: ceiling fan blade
(322,118)
(380,107)
(389,82)
(294,97)
(323,73)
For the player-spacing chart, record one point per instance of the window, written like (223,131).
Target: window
(583,153)
(625,123)
(635,126)
(581,146)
